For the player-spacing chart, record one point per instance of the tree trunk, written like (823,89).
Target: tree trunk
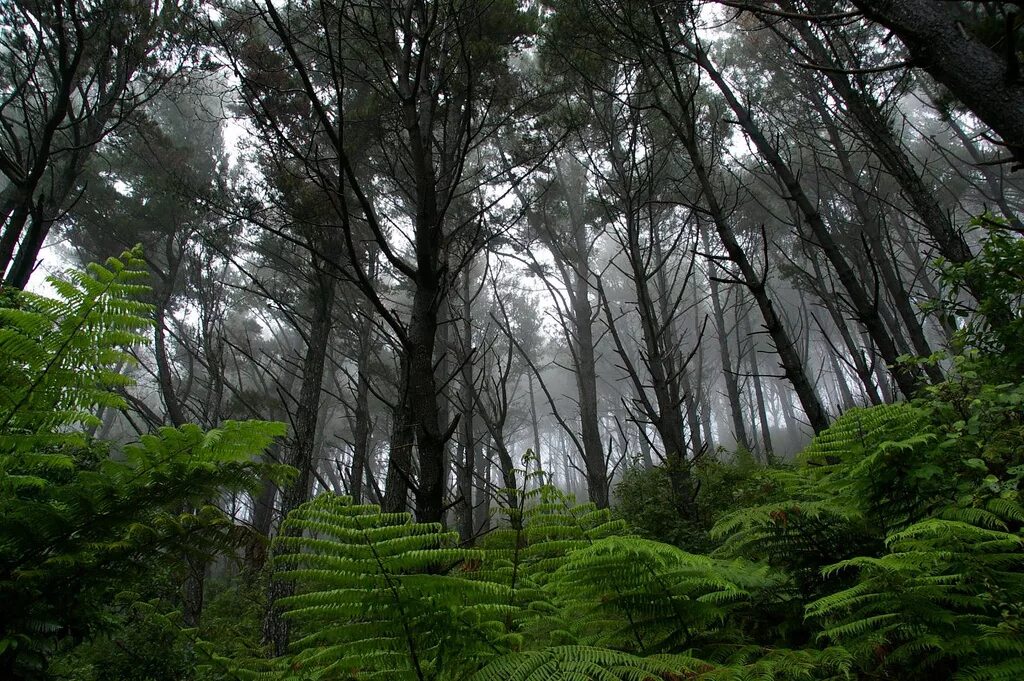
(586,376)
(973,72)
(303,441)
(262,521)
(877,130)
(482,499)
(732,388)
(403,438)
(666,412)
(361,431)
(535,425)
(789,358)
(762,411)
(466,468)
(870,213)
(844,390)
(423,403)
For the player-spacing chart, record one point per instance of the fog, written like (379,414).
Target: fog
(612,239)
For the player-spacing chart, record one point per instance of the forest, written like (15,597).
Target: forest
(511,340)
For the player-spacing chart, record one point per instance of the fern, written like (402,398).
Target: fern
(867,473)
(568,663)
(563,594)
(947,597)
(652,597)
(384,597)
(61,356)
(76,522)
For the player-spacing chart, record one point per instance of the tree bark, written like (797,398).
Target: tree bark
(403,438)
(977,75)
(303,441)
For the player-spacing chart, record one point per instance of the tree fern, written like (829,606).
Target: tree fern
(560,595)
(652,597)
(848,487)
(61,356)
(76,523)
(578,663)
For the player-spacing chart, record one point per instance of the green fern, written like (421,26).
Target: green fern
(578,663)
(563,594)
(60,357)
(947,598)
(650,597)
(381,596)
(77,523)
(868,473)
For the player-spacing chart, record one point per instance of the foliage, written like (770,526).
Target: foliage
(79,518)
(891,548)
(945,597)
(559,592)
(144,641)
(993,323)
(643,499)
(901,532)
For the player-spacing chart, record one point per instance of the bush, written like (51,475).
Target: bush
(643,499)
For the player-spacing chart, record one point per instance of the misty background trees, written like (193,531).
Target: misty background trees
(433,236)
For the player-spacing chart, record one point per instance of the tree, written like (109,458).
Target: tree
(988,83)
(439,82)
(72,71)
(82,519)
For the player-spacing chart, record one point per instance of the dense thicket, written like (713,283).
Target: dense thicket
(570,339)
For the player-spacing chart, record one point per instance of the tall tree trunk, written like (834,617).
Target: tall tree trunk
(570,473)
(973,72)
(762,411)
(685,129)
(193,583)
(423,403)
(403,438)
(586,375)
(361,429)
(786,404)
(303,441)
(466,468)
(15,215)
(844,389)
(25,260)
(864,370)
(663,371)
(262,520)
